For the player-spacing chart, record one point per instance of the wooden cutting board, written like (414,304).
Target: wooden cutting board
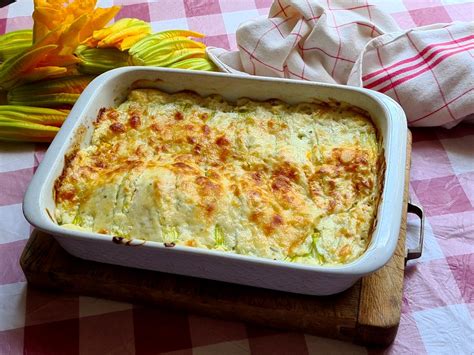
(367,313)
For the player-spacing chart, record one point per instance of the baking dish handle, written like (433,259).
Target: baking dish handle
(415,253)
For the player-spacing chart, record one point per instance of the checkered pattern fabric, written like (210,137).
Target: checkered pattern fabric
(438,299)
(358,44)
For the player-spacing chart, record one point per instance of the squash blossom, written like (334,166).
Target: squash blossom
(171,49)
(25,123)
(49,93)
(122,34)
(15,42)
(59,27)
(99,60)
(44,70)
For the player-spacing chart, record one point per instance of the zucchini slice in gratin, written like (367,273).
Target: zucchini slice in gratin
(288,182)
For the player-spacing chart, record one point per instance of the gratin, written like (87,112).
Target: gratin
(288,182)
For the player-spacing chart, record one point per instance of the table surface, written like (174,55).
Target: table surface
(438,299)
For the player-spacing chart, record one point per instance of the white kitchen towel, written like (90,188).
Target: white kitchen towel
(428,70)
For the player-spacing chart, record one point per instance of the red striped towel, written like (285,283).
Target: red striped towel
(428,70)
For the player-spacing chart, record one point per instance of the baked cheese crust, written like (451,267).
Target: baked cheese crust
(287,182)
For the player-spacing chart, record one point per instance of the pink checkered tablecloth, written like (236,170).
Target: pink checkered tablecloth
(438,299)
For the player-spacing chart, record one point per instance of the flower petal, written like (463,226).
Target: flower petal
(129,30)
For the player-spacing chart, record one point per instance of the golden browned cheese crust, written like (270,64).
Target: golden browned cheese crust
(298,183)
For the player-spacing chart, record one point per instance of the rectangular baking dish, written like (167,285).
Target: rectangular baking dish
(111,88)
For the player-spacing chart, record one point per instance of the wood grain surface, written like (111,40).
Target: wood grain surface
(367,313)
(381,292)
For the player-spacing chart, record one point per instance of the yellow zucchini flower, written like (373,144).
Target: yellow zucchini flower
(122,34)
(59,27)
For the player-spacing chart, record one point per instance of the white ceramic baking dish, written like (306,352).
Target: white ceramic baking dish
(112,87)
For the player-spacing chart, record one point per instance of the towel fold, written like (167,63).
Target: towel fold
(428,70)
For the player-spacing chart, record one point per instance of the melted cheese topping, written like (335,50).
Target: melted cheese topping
(298,183)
